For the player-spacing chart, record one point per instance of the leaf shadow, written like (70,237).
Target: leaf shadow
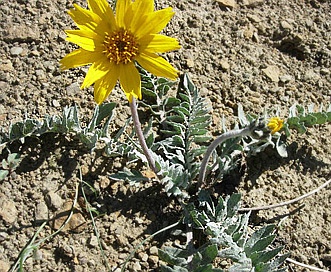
(300,158)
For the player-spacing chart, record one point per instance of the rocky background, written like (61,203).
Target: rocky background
(259,53)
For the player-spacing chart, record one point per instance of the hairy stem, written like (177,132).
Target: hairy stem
(227,135)
(140,135)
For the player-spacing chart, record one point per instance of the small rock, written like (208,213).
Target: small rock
(104,182)
(91,263)
(4,266)
(16,50)
(153,260)
(35,53)
(77,222)
(6,66)
(121,240)
(224,65)
(310,75)
(40,74)
(37,255)
(255,37)
(254,18)
(54,200)
(249,31)
(154,251)
(3,236)
(22,32)
(93,242)
(285,25)
(62,36)
(41,212)
(134,267)
(73,88)
(190,63)
(285,78)
(56,103)
(49,65)
(227,3)
(8,211)
(143,256)
(272,72)
(325,71)
(252,3)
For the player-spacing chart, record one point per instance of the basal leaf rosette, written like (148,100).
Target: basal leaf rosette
(114,43)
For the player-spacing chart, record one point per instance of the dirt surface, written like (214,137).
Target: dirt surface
(259,53)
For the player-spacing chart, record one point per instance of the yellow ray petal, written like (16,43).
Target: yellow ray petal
(87,40)
(104,11)
(157,65)
(98,69)
(89,21)
(84,18)
(157,43)
(130,81)
(79,57)
(140,10)
(104,86)
(122,7)
(152,23)
(142,7)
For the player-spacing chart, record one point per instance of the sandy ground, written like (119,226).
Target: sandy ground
(258,53)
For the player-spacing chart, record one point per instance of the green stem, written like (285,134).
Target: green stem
(140,135)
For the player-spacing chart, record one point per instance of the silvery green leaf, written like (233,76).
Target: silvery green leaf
(3,174)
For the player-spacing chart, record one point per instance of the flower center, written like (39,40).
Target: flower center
(120,46)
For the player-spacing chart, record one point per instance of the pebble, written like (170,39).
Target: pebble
(324,71)
(310,75)
(93,242)
(15,51)
(134,267)
(272,72)
(73,88)
(41,212)
(285,78)
(4,266)
(154,250)
(6,66)
(3,236)
(8,211)
(143,256)
(53,200)
(21,32)
(153,260)
(254,18)
(189,63)
(286,25)
(249,31)
(56,103)
(252,3)
(49,65)
(225,66)
(77,222)
(227,3)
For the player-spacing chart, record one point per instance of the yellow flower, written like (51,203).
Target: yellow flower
(275,124)
(114,43)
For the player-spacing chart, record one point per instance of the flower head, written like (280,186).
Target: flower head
(113,43)
(275,124)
